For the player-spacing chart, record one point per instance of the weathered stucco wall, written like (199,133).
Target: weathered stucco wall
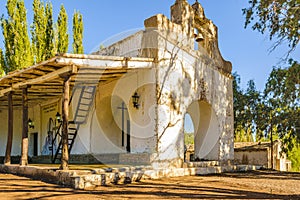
(16,148)
(257,157)
(48,111)
(106,127)
(34,113)
(259,153)
(190,81)
(129,46)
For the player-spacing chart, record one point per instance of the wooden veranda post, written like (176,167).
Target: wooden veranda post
(24,153)
(7,160)
(65,118)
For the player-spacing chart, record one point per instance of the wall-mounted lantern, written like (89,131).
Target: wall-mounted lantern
(135,100)
(30,123)
(58,117)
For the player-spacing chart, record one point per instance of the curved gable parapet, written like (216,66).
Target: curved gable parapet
(190,30)
(209,41)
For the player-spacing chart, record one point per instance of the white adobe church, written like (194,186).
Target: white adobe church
(128,101)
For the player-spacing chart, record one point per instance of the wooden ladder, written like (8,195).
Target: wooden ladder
(85,101)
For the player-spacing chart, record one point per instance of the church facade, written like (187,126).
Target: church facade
(128,100)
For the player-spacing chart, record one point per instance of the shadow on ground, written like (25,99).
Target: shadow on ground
(226,186)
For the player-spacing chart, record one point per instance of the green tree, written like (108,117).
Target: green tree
(18,52)
(77,33)
(253,100)
(49,38)
(243,123)
(2,64)
(294,156)
(280,107)
(279,18)
(38,34)
(249,107)
(261,121)
(282,93)
(238,108)
(62,31)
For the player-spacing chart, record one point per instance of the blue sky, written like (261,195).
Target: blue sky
(246,49)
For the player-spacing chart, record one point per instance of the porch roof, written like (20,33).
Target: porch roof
(45,80)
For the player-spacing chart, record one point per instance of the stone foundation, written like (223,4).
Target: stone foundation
(87,179)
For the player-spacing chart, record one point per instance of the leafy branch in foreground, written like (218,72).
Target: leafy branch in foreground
(279,18)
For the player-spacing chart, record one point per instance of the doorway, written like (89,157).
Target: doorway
(125,126)
(33,144)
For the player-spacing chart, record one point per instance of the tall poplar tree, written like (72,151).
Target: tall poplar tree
(2,63)
(77,33)
(49,38)
(62,31)
(18,52)
(38,29)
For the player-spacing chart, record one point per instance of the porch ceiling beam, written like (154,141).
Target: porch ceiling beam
(4,85)
(18,72)
(45,87)
(101,57)
(4,91)
(99,72)
(98,77)
(33,97)
(108,62)
(83,82)
(17,78)
(40,79)
(37,72)
(48,84)
(45,94)
(44,90)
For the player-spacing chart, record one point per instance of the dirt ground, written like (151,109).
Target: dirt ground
(252,185)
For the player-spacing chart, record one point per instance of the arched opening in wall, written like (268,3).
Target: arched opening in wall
(206,131)
(189,138)
(111,132)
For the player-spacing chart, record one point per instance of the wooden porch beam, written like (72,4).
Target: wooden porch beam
(107,62)
(4,91)
(40,79)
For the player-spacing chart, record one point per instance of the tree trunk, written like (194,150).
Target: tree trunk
(7,160)
(272,156)
(65,118)
(24,154)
